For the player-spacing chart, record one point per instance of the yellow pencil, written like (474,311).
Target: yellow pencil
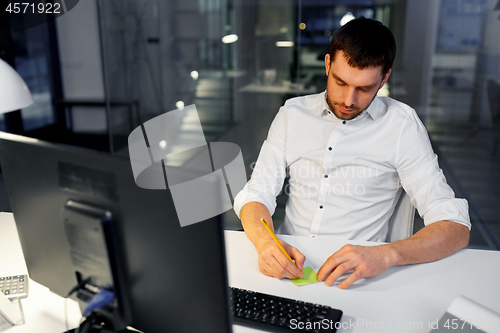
(277,241)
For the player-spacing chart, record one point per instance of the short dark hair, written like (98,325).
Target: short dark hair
(366,43)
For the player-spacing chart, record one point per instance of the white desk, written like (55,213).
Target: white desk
(43,310)
(402,295)
(406,295)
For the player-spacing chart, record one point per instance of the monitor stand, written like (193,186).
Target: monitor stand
(98,322)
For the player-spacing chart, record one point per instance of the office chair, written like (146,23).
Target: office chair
(401,221)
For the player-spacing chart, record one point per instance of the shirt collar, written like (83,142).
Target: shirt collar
(324,108)
(374,109)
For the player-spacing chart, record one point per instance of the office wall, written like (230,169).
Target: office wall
(81,69)
(418,49)
(150,49)
(491,52)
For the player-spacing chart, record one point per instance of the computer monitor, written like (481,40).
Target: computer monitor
(171,278)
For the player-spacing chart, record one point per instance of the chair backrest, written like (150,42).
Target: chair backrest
(401,221)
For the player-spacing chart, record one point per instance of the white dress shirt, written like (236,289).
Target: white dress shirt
(346,176)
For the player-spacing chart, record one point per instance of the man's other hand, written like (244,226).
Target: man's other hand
(365,261)
(272,261)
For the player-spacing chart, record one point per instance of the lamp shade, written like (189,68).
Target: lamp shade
(14,93)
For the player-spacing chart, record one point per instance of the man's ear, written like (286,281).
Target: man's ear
(327,63)
(386,77)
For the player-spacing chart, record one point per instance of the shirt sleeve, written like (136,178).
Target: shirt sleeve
(270,169)
(423,180)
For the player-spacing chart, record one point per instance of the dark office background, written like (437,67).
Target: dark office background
(104,67)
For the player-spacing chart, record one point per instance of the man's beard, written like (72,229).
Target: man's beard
(342,105)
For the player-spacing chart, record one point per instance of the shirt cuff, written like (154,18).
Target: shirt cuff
(455,210)
(245,197)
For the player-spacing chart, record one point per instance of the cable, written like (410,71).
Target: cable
(99,301)
(71,292)
(79,286)
(66,313)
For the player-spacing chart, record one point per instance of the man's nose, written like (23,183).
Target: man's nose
(351,97)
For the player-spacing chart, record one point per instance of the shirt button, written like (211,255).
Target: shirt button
(320,207)
(326,176)
(330,148)
(343,122)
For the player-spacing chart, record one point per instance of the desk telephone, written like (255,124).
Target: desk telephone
(12,289)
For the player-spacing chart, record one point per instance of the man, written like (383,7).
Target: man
(349,153)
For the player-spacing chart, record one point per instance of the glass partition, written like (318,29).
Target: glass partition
(239,60)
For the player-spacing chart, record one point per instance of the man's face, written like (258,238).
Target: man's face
(351,90)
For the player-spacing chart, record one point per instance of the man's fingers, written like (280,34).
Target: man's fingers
(273,262)
(265,269)
(329,266)
(274,267)
(298,257)
(286,264)
(280,271)
(276,264)
(350,280)
(342,255)
(338,272)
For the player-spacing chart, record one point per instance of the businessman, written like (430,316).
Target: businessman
(348,155)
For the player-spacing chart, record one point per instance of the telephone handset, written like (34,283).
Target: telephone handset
(10,311)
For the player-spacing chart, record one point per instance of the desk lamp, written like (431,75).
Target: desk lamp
(14,93)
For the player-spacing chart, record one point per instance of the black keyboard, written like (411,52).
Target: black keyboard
(278,314)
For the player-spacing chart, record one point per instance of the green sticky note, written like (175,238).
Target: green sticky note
(308,278)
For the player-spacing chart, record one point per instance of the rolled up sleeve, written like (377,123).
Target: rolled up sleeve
(423,180)
(270,169)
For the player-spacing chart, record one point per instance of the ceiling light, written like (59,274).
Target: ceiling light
(283,43)
(229,38)
(346,18)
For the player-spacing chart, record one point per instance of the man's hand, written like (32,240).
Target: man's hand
(435,241)
(272,261)
(366,261)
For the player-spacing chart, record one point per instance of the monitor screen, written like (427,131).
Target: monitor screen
(172,278)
